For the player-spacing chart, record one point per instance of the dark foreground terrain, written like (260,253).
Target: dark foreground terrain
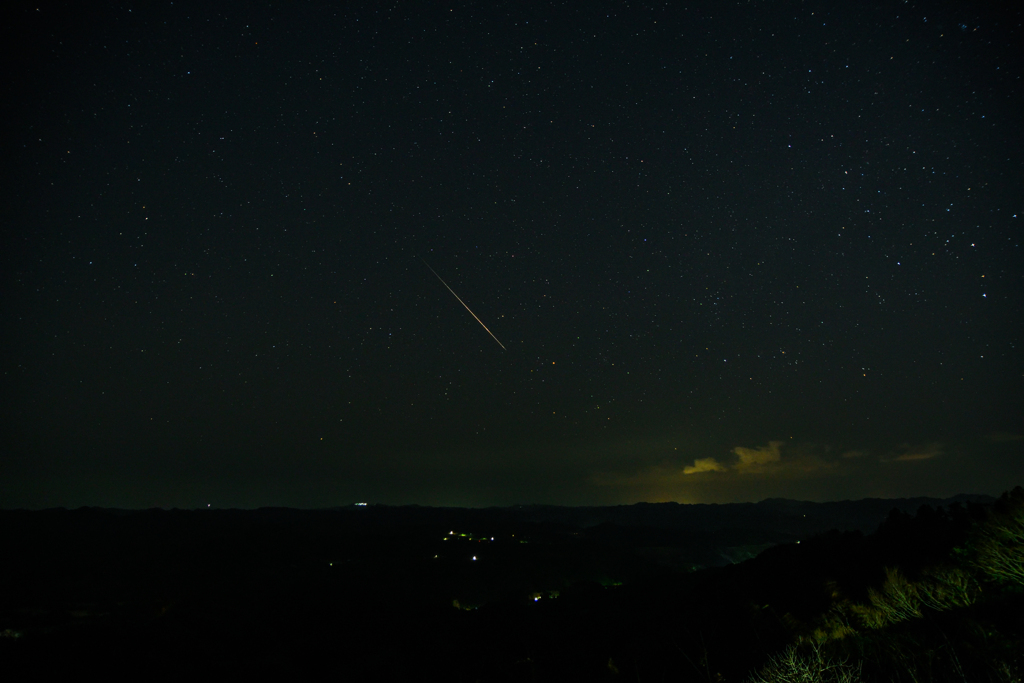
(874,590)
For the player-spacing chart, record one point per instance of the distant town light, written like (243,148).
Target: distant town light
(361,504)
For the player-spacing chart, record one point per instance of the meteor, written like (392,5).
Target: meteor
(463,303)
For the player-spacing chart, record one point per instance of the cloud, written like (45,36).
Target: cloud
(1004,437)
(756,459)
(854,454)
(764,469)
(932,450)
(704,465)
(750,460)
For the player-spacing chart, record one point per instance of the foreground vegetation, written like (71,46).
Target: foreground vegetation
(936,616)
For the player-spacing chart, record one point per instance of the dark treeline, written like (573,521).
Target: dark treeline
(769,591)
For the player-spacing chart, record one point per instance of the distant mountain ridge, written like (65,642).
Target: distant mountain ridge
(799,518)
(768,522)
(793,517)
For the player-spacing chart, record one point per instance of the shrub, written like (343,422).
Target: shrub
(807,665)
(944,588)
(835,625)
(998,544)
(896,601)
(940,589)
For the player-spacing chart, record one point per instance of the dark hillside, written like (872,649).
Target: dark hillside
(497,594)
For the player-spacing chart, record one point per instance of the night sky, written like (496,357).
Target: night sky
(733,251)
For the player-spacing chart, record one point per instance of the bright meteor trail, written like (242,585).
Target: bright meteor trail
(463,304)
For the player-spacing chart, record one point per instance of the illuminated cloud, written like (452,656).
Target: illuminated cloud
(750,460)
(775,468)
(756,459)
(920,453)
(704,465)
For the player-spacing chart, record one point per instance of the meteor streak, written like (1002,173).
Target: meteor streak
(463,304)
